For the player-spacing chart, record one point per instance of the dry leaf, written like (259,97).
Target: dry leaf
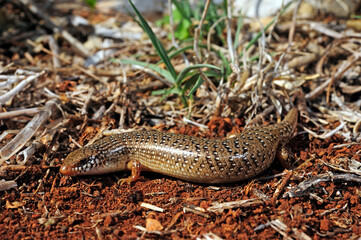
(153,225)
(13,205)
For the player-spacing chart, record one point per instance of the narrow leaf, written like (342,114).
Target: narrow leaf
(155,41)
(166,74)
(196,86)
(184,72)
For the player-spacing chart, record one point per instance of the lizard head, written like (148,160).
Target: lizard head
(89,161)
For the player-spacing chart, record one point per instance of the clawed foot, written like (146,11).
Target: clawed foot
(127,180)
(134,166)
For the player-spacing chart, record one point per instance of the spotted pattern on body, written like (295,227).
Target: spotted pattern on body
(194,159)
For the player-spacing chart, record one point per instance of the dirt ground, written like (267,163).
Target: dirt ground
(49,204)
(319,198)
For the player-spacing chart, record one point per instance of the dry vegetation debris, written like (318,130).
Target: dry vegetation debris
(69,74)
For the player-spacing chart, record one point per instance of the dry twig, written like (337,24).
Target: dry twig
(306,186)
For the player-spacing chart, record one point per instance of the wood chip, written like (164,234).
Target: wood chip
(151,207)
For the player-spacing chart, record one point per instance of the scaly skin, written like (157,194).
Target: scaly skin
(194,159)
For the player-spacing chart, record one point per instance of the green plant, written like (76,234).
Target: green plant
(193,14)
(91,3)
(185,83)
(183,25)
(187,79)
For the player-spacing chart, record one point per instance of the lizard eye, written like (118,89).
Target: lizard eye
(83,161)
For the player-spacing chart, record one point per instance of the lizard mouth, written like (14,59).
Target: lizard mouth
(67,170)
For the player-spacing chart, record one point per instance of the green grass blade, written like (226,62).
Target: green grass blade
(166,74)
(196,86)
(226,63)
(183,49)
(184,8)
(172,90)
(184,72)
(213,17)
(190,81)
(213,74)
(155,41)
(166,92)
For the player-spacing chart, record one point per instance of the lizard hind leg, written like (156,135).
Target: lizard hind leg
(135,168)
(284,156)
